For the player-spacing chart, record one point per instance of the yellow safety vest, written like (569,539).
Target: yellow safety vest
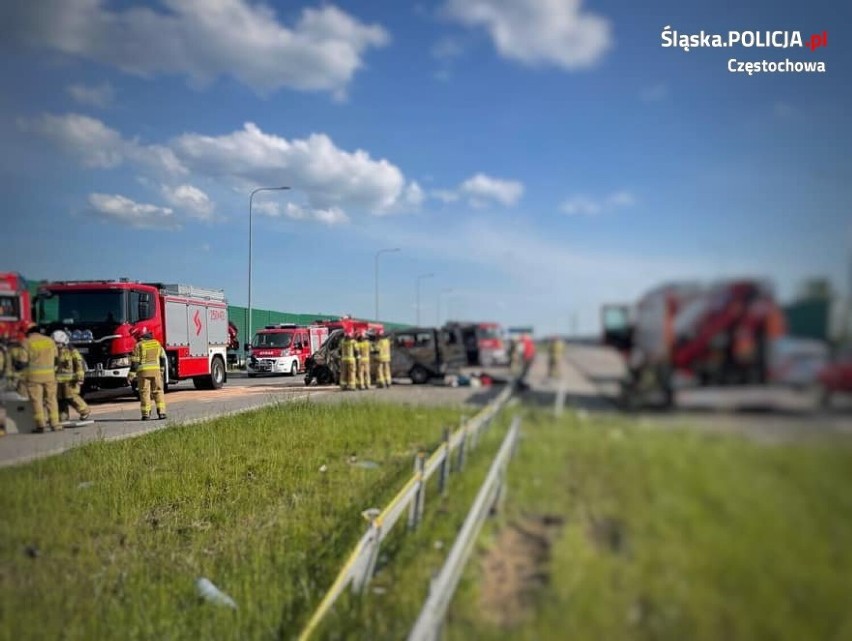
(384,350)
(347,349)
(41,355)
(146,356)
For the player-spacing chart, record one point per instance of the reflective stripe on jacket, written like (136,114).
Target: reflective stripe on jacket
(146,356)
(41,355)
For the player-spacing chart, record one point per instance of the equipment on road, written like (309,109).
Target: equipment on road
(103,316)
(284,348)
(714,335)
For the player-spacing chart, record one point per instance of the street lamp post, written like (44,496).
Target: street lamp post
(440,294)
(419,278)
(251,198)
(379,253)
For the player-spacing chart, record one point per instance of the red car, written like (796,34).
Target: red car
(837,376)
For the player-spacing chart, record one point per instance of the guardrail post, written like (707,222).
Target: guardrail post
(445,463)
(361,580)
(415,510)
(462,448)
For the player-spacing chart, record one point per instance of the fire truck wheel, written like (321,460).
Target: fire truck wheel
(294,369)
(216,378)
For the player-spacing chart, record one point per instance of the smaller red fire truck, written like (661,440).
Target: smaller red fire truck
(283,348)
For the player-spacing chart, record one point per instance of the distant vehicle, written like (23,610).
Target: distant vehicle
(190,322)
(797,362)
(836,376)
(717,335)
(15,307)
(484,343)
(419,354)
(423,353)
(283,349)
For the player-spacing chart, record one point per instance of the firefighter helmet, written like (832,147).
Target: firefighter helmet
(60,337)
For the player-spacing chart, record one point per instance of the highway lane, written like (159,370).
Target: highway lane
(117,415)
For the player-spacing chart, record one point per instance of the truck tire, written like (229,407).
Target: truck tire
(216,378)
(294,369)
(419,375)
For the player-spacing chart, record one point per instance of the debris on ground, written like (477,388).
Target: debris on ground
(209,592)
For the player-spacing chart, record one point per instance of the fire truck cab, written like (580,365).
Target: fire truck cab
(14,307)
(283,349)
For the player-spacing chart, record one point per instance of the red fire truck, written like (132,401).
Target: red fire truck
(283,348)
(15,312)
(717,335)
(191,323)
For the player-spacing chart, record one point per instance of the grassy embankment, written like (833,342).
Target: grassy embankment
(614,531)
(106,542)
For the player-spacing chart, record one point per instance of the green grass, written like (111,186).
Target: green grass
(717,538)
(721,538)
(123,529)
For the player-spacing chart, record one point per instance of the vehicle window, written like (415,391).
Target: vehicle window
(272,340)
(489,332)
(104,306)
(405,340)
(450,337)
(9,308)
(424,339)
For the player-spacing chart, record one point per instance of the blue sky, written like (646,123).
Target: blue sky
(540,157)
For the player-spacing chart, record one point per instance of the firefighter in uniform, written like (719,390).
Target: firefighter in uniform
(347,361)
(70,374)
(384,371)
(555,353)
(362,353)
(40,357)
(14,378)
(145,362)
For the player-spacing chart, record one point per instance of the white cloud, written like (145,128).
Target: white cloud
(330,179)
(100,95)
(329,216)
(190,199)
(327,175)
(100,146)
(123,210)
(538,32)
(587,206)
(202,39)
(482,189)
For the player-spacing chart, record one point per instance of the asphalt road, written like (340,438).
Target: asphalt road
(117,414)
(590,376)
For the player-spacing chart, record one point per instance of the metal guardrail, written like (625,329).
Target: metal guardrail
(431,619)
(360,565)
